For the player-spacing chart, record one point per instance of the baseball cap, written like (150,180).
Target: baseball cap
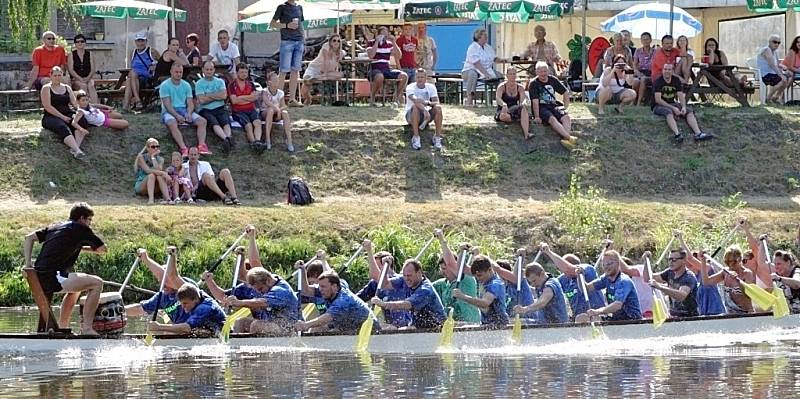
(141,36)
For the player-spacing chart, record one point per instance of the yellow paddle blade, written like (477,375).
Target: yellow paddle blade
(659,314)
(308,310)
(378,312)
(596,332)
(165,318)
(225,333)
(149,339)
(362,342)
(446,340)
(758,295)
(516,331)
(781,307)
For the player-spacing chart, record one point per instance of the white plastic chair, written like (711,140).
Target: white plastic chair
(762,88)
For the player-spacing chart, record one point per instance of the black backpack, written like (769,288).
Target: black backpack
(298,192)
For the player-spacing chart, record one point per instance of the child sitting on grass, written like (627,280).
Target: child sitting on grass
(180,188)
(97,114)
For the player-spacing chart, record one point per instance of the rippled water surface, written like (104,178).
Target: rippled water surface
(759,365)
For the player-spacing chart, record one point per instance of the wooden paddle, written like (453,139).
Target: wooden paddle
(781,307)
(448,328)
(149,339)
(241,313)
(659,313)
(365,332)
(225,254)
(516,331)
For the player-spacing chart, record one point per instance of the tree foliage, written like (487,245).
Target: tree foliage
(29,18)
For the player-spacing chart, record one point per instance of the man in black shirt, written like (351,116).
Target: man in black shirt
(61,245)
(670,102)
(289,19)
(546,109)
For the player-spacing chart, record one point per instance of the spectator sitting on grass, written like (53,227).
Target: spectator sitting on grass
(546,109)
(177,108)
(422,107)
(208,187)
(274,110)
(670,102)
(612,88)
(211,96)
(149,169)
(56,98)
(243,96)
(511,102)
(97,114)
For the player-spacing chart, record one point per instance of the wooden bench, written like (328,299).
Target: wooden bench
(12,100)
(450,87)
(47,321)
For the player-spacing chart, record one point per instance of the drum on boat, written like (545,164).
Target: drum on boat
(109,318)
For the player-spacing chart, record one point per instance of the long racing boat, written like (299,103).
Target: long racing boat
(426,341)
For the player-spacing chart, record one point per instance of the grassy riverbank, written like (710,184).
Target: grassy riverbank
(625,179)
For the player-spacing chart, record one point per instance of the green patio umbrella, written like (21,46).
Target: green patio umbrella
(128,9)
(314,18)
(495,10)
(772,5)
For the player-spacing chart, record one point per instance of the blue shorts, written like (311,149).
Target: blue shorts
(387,73)
(291,55)
(166,117)
(246,117)
(412,74)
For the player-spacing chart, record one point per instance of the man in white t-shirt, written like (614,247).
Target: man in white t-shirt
(422,106)
(223,52)
(207,186)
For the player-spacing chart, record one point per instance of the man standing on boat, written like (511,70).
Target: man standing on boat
(61,245)
(344,312)
(395,318)
(492,302)
(549,296)
(569,265)
(679,283)
(423,302)
(200,312)
(623,303)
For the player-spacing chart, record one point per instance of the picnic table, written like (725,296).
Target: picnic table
(715,85)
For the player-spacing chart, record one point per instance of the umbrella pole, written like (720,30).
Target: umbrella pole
(583,46)
(127,34)
(172,19)
(671,15)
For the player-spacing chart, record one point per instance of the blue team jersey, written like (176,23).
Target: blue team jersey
(207,315)
(556,309)
(169,304)
(496,314)
(523,297)
(709,301)
(282,302)
(574,294)
(348,311)
(427,310)
(399,318)
(245,291)
(319,302)
(620,290)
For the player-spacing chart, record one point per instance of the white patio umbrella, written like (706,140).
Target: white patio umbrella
(655,19)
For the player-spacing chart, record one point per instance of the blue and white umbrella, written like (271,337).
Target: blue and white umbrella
(653,18)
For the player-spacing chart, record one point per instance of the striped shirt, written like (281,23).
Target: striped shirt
(383,52)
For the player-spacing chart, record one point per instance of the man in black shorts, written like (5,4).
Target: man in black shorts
(546,109)
(61,245)
(670,102)
(207,186)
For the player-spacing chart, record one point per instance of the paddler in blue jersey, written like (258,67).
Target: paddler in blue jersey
(275,303)
(313,271)
(522,297)
(198,313)
(394,318)
(568,265)
(345,312)
(492,302)
(550,304)
(421,299)
(623,303)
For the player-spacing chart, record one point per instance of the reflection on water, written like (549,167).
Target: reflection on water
(701,366)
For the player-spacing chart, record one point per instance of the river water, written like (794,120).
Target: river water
(758,365)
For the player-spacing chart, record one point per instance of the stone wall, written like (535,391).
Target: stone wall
(14,72)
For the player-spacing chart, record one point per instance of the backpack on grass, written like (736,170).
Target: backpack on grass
(298,192)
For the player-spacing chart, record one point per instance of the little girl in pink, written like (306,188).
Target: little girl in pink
(181,187)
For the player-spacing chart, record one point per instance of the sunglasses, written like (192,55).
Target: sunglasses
(335,41)
(155,146)
(776,42)
(49,38)
(80,41)
(675,259)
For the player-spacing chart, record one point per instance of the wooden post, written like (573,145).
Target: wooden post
(47,321)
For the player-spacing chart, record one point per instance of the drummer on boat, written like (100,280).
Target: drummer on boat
(61,245)
(344,311)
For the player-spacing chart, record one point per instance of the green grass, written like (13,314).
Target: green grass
(364,151)
(625,180)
